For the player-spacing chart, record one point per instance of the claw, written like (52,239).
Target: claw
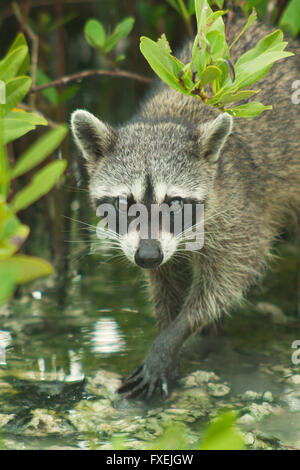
(133,374)
(137,390)
(152,387)
(136,371)
(164,388)
(144,381)
(131,380)
(129,384)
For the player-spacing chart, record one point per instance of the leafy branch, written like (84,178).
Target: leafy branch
(210,75)
(35,46)
(97,38)
(16,268)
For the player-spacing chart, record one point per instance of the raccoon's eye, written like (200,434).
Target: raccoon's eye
(177,204)
(121,204)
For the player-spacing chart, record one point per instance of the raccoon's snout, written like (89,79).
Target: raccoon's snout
(149,254)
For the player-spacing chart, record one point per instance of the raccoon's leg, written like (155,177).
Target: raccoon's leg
(159,366)
(217,284)
(168,287)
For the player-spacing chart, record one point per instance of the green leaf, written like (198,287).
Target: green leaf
(200,56)
(68,93)
(18,123)
(215,15)
(164,44)
(187,79)
(30,118)
(8,221)
(184,11)
(290,19)
(248,110)
(217,44)
(250,21)
(16,89)
(41,183)
(163,64)
(268,42)
(191,7)
(4,167)
(10,246)
(210,74)
(173,438)
(120,57)
(12,62)
(94,33)
(122,30)
(222,435)
(38,151)
(18,42)
(7,284)
(214,22)
(51,94)
(13,129)
(241,95)
(201,8)
(12,232)
(61,21)
(250,72)
(25,269)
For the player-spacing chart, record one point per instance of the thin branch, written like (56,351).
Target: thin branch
(281,7)
(271,7)
(35,46)
(89,73)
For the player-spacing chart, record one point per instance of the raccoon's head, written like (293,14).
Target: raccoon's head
(154,163)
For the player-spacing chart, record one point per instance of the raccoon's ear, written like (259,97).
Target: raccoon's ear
(214,134)
(93,137)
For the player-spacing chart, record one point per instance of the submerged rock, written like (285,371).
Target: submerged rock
(260,411)
(45,422)
(103,420)
(294,379)
(250,395)
(198,378)
(5,418)
(218,390)
(268,396)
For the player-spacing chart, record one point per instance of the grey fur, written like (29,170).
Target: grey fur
(248,177)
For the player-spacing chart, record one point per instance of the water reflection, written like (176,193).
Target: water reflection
(106,337)
(292,398)
(5,339)
(37,295)
(60,375)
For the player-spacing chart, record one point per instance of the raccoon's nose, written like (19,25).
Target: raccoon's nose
(149,254)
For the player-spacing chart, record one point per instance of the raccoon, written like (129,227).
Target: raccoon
(177,151)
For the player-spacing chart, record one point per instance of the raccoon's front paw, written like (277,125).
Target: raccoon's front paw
(154,373)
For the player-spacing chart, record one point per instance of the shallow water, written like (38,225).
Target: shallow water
(52,394)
